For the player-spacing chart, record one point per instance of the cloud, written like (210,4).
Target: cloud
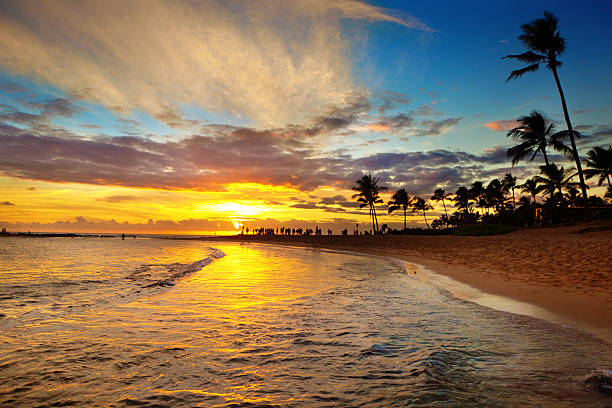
(223,155)
(273,62)
(389,100)
(393,124)
(437,127)
(502,125)
(122,198)
(6,203)
(332,200)
(582,111)
(47,110)
(11,87)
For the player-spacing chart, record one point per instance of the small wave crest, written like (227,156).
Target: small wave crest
(164,275)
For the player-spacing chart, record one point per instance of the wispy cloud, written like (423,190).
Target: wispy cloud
(223,56)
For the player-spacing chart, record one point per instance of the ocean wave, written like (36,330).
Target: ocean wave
(164,275)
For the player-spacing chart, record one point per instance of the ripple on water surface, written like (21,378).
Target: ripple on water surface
(85,325)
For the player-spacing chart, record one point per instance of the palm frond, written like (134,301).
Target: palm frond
(520,72)
(528,57)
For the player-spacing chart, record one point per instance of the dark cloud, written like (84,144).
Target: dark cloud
(337,118)
(388,100)
(56,107)
(437,127)
(224,154)
(332,200)
(6,203)
(11,87)
(395,123)
(49,109)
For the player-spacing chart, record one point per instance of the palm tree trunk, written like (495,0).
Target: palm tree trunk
(445,213)
(609,184)
(425,219)
(375,218)
(372,216)
(545,157)
(513,201)
(571,132)
(405,216)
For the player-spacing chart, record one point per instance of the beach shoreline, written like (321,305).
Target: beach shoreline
(565,272)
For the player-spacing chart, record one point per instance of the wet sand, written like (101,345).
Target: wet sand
(564,270)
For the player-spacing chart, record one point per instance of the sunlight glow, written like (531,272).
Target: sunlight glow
(237,209)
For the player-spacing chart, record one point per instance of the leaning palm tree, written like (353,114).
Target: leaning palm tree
(402,200)
(600,164)
(368,194)
(508,183)
(554,179)
(530,186)
(441,195)
(534,135)
(418,204)
(544,44)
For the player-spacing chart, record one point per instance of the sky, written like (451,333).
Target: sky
(198,117)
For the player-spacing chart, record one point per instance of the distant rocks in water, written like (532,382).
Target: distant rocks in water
(600,380)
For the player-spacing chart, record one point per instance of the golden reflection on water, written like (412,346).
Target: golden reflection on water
(264,326)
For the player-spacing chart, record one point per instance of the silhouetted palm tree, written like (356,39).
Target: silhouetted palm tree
(600,164)
(544,44)
(534,135)
(418,204)
(478,194)
(509,183)
(462,199)
(441,195)
(369,195)
(494,195)
(530,186)
(554,179)
(402,200)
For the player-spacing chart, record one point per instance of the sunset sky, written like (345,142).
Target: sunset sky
(196,117)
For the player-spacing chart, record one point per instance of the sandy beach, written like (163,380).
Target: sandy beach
(564,270)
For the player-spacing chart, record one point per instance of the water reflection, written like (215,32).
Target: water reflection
(268,326)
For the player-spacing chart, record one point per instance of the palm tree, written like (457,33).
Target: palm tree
(544,44)
(418,204)
(494,195)
(600,164)
(369,195)
(530,186)
(534,135)
(402,200)
(508,183)
(462,199)
(554,178)
(441,195)
(477,193)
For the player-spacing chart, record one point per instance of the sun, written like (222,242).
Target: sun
(236,225)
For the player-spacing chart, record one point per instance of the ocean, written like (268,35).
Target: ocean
(101,322)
